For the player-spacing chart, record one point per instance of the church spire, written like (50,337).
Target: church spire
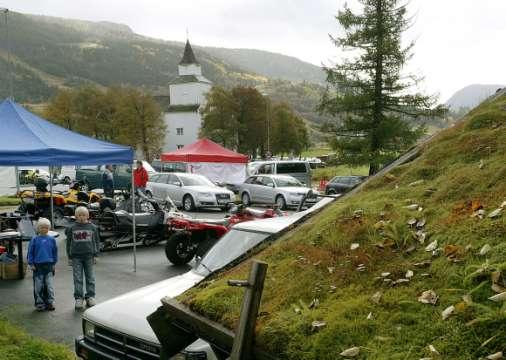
(188,56)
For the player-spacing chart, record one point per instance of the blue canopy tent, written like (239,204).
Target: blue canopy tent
(27,139)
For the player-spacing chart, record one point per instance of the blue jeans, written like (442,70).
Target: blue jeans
(43,290)
(80,266)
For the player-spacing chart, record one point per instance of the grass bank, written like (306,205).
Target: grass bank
(9,201)
(329,172)
(419,233)
(15,344)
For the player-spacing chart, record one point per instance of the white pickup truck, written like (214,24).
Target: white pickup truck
(118,329)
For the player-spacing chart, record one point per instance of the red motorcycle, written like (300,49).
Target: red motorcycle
(192,237)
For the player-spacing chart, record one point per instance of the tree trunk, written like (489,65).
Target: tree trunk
(378,96)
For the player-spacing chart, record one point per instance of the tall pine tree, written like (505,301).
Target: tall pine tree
(369,92)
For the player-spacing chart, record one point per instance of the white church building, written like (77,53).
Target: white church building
(187,95)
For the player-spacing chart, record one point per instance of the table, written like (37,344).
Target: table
(14,237)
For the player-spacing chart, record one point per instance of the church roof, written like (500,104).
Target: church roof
(188,56)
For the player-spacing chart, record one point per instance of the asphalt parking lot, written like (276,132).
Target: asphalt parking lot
(114,276)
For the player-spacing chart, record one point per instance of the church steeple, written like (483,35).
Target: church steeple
(188,56)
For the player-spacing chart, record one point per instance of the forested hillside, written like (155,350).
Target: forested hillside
(48,53)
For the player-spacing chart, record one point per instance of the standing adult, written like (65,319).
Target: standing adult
(140,177)
(108,181)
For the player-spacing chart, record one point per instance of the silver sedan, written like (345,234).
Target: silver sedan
(190,191)
(282,190)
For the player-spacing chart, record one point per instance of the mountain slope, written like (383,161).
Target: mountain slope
(109,54)
(470,96)
(269,64)
(357,293)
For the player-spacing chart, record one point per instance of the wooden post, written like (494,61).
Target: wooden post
(242,349)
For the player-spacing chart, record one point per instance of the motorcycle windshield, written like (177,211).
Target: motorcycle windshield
(232,245)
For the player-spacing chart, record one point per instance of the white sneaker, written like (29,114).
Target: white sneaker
(79,304)
(91,302)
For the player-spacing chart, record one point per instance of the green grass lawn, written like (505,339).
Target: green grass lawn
(329,172)
(15,344)
(356,293)
(9,201)
(313,152)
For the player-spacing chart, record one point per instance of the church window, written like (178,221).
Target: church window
(180,146)
(179,131)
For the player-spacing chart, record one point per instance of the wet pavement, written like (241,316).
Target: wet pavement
(114,276)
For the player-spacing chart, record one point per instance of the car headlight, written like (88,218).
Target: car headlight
(89,329)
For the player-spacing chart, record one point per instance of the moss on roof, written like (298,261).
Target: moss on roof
(460,171)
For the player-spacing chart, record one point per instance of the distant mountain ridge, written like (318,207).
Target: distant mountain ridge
(471,95)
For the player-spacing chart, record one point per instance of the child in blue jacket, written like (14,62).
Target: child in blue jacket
(42,257)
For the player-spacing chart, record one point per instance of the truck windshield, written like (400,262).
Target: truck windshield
(232,245)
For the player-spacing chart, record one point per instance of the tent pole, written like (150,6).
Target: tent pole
(133,218)
(16,170)
(51,196)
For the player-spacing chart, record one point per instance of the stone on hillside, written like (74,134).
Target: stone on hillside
(421,223)
(415,183)
(485,249)
(385,274)
(503,205)
(428,297)
(351,352)
(447,312)
(412,207)
(495,213)
(467,299)
(314,304)
(376,297)
(331,269)
(480,214)
(425,263)
(358,213)
(400,281)
(432,246)
(369,316)
(497,355)
(481,164)
(499,297)
(318,325)
(412,222)
(409,274)
(354,246)
(433,350)
(498,288)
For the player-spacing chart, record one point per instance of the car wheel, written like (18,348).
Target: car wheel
(66,180)
(188,203)
(281,202)
(331,192)
(180,249)
(245,199)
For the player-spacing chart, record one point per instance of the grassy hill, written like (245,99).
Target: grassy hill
(357,293)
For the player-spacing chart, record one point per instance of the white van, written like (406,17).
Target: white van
(296,168)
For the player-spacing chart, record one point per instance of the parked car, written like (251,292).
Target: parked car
(296,168)
(283,190)
(162,166)
(342,184)
(91,175)
(190,191)
(118,329)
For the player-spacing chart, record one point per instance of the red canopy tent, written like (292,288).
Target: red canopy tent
(207,158)
(205,150)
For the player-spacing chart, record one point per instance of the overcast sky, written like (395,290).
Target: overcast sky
(458,42)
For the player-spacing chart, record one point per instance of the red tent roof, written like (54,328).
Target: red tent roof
(205,150)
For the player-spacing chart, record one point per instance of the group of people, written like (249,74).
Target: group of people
(140,179)
(82,247)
